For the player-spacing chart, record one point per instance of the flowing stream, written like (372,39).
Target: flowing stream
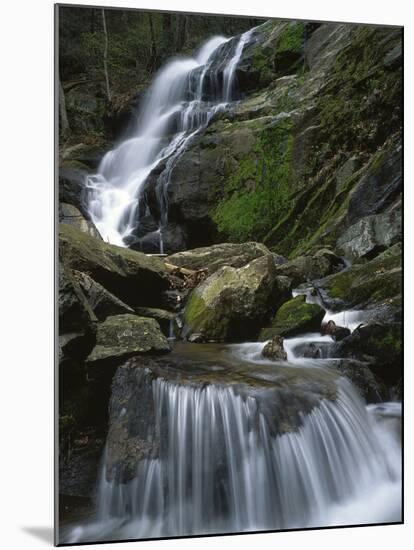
(242,443)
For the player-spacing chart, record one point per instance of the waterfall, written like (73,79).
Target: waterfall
(223,462)
(174,110)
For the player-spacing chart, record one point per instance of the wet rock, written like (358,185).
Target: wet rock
(122,336)
(371,235)
(219,255)
(133,277)
(332,329)
(164,318)
(294,317)
(274,349)
(90,155)
(361,375)
(232,303)
(378,344)
(70,215)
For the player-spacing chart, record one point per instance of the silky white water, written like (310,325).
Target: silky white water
(174,110)
(223,469)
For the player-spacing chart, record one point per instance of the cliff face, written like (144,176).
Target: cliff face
(312,149)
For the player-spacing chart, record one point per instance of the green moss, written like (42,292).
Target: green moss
(258,191)
(291,39)
(293,317)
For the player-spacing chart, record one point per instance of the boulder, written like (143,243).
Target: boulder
(294,317)
(219,255)
(75,312)
(71,215)
(122,336)
(360,374)
(232,303)
(166,319)
(371,235)
(332,329)
(307,268)
(133,277)
(274,349)
(378,344)
(102,302)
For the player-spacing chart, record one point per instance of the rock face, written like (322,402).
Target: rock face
(133,277)
(274,349)
(216,256)
(122,336)
(294,317)
(232,303)
(70,215)
(371,235)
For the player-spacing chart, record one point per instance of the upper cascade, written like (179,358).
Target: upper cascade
(182,99)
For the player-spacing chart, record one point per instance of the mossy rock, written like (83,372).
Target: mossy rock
(294,317)
(232,303)
(122,336)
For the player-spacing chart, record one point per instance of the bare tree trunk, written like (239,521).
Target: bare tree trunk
(153,56)
(105,56)
(64,122)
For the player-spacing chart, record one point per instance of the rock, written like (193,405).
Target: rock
(102,302)
(136,279)
(361,376)
(166,319)
(332,329)
(373,284)
(219,255)
(274,349)
(70,215)
(90,155)
(232,303)
(294,317)
(122,336)
(378,344)
(72,188)
(75,312)
(307,268)
(371,235)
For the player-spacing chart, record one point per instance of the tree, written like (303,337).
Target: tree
(105,56)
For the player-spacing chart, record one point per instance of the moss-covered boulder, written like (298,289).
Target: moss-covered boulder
(232,303)
(122,336)
(166,319)
(133,277)
(216,256)
(294,317)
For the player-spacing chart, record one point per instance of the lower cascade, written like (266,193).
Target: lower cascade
(223,458)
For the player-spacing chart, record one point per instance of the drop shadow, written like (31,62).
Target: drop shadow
(45,534)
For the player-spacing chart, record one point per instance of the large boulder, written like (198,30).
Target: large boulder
(75,312)
(72,187)
(232,303)
(216,256)
(135,278)
(294,317)
(71,215)
(371,235)
(122,336)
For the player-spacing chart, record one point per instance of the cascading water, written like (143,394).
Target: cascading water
(174,110)
(225,461)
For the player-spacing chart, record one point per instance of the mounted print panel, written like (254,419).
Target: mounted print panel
(229,200)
